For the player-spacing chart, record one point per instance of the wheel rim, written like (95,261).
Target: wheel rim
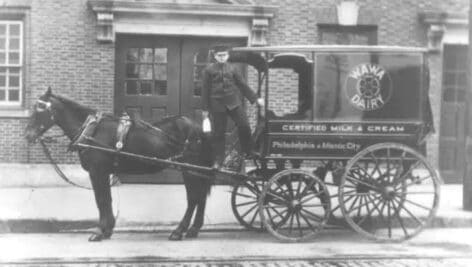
(294,205)
(244,202)
(389,192)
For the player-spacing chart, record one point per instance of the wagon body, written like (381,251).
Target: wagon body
(362,113)
(349,97)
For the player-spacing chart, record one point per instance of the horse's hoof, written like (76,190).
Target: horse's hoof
(192,233)
(96,238)
(175,236)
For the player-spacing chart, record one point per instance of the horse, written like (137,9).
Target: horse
(176,136)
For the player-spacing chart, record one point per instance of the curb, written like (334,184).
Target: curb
(58,226)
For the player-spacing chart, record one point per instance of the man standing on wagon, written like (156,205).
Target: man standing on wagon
(222,91)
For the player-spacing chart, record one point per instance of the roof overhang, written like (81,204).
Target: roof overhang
(144,7)
(253,20)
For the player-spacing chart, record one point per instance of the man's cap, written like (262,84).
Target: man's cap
(220,48)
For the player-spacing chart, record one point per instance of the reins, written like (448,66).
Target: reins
(50,139)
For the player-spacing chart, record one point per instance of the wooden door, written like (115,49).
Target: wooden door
(452,128)
(147,76)
(158,76)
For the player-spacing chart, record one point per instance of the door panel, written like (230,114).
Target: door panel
(147,77)
(452,132)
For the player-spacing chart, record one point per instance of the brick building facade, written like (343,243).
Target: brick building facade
(74,45)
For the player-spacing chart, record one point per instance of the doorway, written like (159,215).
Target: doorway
(160,76)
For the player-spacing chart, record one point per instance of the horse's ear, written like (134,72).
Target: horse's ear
(49,91)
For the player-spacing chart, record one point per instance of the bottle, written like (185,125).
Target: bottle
(206,125)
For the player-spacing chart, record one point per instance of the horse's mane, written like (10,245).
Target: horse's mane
(74,105)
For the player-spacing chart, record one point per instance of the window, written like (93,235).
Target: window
(455,73)
(347,35)
(146,71)
(11,63)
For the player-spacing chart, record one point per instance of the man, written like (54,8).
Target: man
(222,91)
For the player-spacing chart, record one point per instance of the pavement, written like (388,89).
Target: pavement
(435,247)
(146,207)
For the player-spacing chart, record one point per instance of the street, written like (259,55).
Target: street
(433,247)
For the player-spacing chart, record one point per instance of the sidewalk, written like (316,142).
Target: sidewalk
(149,208)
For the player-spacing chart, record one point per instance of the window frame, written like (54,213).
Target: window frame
(8,66)
(370,31)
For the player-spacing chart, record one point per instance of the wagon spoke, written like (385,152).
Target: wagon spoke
(306,220)
(361,182)
(245,203)
(244,195)
(411,214)
(418,205)
(312,197)
(299,224)
(314,216)
(399,218)
(389,221)
(248,211)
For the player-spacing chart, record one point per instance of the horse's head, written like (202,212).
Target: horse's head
(42,117)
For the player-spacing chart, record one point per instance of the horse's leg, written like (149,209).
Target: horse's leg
(177,234)
(199,217)
(102,191)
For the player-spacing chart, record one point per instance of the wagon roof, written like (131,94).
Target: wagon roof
(332,48)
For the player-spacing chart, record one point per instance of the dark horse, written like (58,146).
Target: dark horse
(170,137)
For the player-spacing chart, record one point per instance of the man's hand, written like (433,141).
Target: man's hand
(260,102)
(204,114)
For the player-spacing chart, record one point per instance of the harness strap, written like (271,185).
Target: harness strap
(122,130)
(86,130)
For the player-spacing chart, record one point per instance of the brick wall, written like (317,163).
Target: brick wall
(62,52)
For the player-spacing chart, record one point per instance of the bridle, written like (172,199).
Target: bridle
(43,106)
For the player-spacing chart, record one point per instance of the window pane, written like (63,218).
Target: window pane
(131,70)
(15,30)
(160,55)
(131,87)
(14,58)
(160,87)
(197,88)
(2,58)
(14,81)
(197,72)
(2,95)
(3,42)
(145,71)
(14,44)
(3,70)
(449,95)
(2,81)
(132,54)
(145,55)
(3,29)
(160,72)
(201,56)
(146,87)
(14,70)
(14,95)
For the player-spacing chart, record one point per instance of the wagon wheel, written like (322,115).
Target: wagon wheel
(294,205)
(244,201)
(389,192)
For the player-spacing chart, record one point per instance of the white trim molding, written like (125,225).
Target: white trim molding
(151,17)
(442,27)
